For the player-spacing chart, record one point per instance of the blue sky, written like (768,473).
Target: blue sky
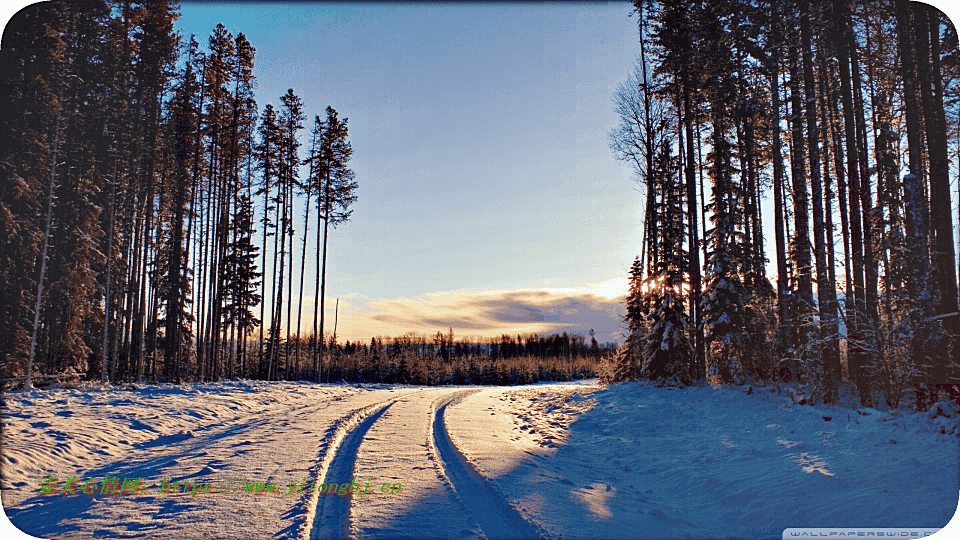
(480,150)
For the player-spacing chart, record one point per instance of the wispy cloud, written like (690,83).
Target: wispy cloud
(489,313)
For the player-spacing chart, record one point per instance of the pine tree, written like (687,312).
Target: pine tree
(291,122)
(722,304)
(334,198)
(667,348)
(221,185)
(74,228)
(829,352)
(778,180)
(927,43)
(241,282)
(243,112)
(310,187)
(175,291)
(286,162)
(155,43)
(679,35)
(857,312)
(27,55)
(267,156)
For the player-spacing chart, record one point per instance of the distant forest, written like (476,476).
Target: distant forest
(442,359)
(846,114)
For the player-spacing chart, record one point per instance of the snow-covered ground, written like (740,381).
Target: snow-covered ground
(654,462)
(573,460)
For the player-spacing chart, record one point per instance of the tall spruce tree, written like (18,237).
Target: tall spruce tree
(267,157)
(336,193)
(668,349)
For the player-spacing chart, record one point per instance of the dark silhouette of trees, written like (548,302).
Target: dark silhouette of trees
(821,82)
(128,239)
(336,187)
(142,185)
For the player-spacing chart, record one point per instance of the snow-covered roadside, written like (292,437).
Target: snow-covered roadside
(225,432)
(646,462)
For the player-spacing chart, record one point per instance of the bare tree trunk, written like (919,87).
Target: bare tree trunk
(38,305)
(263,281)
(244,330)
(336,312)
(286,349)
(913,183)
(202,277)
(870,216)
(193,215)
(834,305)
(323,266)
(778,177)
(828,324)
(317,338)
(134,284)
(842,203)
(856,325)
(278,297)
(105,355)
(941,218)
(693,238)
(142,301)
(703,207)
(649,227)
(801,238)
(303,254)
(916,202)
(274,320)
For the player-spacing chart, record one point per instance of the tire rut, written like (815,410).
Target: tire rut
(488,507)
(329,516)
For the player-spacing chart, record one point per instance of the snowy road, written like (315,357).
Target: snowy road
(555,460)
(235,438)
(441,495)
(262,433)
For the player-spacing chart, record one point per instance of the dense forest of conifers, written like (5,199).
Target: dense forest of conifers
(147,202)
(143,190)
(845,114)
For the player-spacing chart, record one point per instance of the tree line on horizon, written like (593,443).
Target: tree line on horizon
(146,196)
(441,359)
(845,113)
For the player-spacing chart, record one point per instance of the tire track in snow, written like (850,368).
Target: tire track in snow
(488,507)
(399,449)
(268,439)
(329,516)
